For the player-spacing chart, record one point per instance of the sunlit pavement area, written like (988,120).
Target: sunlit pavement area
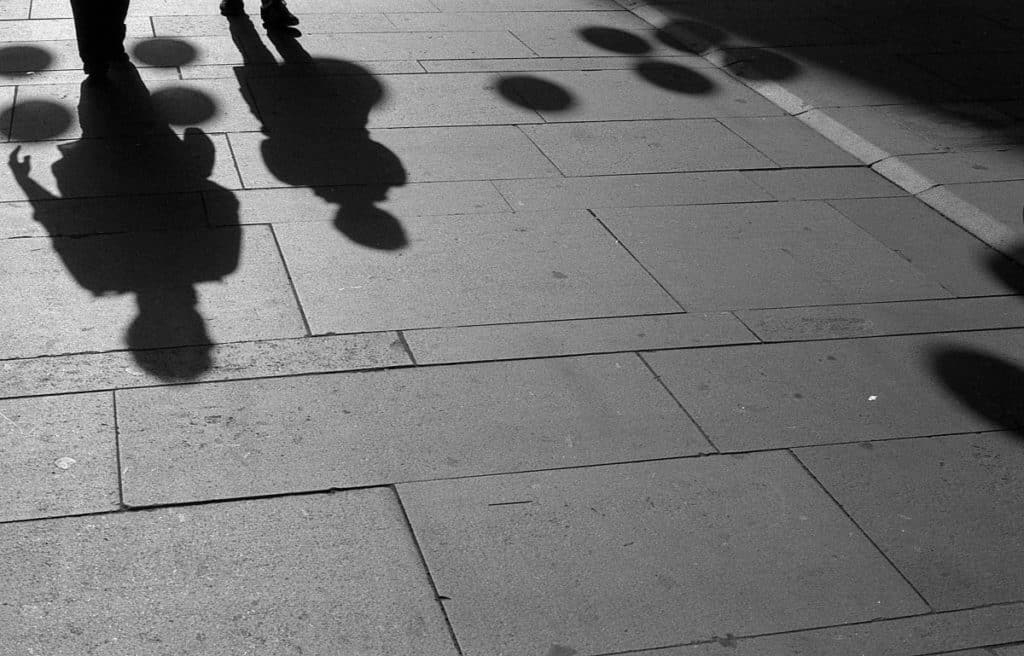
(515,328)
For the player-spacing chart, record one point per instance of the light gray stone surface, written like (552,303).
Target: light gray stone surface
(924,635)
(425,154)
(110,214)
(788,142)
(272,436)
(560,42)
(59,29)
(975,166)
(619,147)
(415,45)
(1000,200)
(877,319)
(468,269)
(49,312)
(642,190)
(56,8)
(624,95)
(287,357)
(525,5)
(308,573)
(930,242)
(780,395)
(572,337)
(15,9)
(610,559)
(822,184)
(515,21)
(196,25)
(549,64)
(761,255)
(58,456)
(945,510)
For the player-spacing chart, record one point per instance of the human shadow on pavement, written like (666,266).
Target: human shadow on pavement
(146,252)
(314,114)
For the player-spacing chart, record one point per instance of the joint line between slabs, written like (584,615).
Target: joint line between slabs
(686,412)
(291,283)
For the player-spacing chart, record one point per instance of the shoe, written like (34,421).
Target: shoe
(232,8)
(276,14)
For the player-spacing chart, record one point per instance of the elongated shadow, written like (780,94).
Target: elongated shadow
(111,247)
(314,113)
(988,384)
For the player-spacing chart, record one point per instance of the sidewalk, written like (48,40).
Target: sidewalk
(497,327)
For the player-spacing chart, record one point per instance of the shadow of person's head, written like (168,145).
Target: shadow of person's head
(361,220)
(169,316)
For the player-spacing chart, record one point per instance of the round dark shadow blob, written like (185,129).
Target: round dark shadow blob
(183,106)
(987,383)
(22,60)
(765,65)
(615,40)
(164,52)
(535,93)
(690,36)
(38,120)
(674,77)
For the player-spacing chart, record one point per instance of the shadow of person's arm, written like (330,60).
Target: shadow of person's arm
(21,168)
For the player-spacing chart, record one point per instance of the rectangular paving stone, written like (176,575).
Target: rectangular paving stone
(305,573)
(155,164)
(945,510)
(75,76)
(762,255)
(626,95)
(644,147)
(59,29)
(876,319)
(1000,200)
(119,369)
(289,205)
(529,340)
(674,552)
(58,456)
(549,64)
(437,99)
(254,71)
(991,165)
(923,635)
(465,270)
(821,184)
(459,6)
(111,214)
(415,45)
(271,436)
(933,245)
(423,155)
(515,20)
(23,59)
(79,294)
(15,9)
(788,142)
(190,26)
(562,42)
(58,9)
(631,190)
(795,394)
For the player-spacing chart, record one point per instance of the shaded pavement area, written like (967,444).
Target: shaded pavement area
(495,327)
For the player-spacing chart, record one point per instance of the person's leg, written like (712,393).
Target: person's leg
(116,30)
(275,14)
(89,30)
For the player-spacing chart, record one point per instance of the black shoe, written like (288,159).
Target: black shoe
(232,8)
(277,15)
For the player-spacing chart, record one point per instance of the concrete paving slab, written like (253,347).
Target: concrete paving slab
(923,635)
(533,340)
(58,9)
(468,269)
(563,42)
(75,76)
(211,105)
(516,20)
(25,57)
(552,64)
(79,294)
(414,45)
(933,245)
(781,395)
(631,190)
(58,456)
(1006,163)
(980,75)
(1012,650)
(823,184)
(157,164)
(877,319)
(196,25)
(305,573)
(289,205)
(60,29)
(111,214)
(65,374)
(788,142)
(438,99)
(1004,201)
(625,95)
(324,67)
(15,9)
(392,156)
(847,76)
(460,6)
(945,510)
(674,551)
(916,129)
(271,436)
(623,147)
(762,255)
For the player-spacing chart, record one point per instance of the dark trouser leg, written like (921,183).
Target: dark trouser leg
(100,29)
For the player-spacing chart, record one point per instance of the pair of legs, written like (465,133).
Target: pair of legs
(273,12)
(99,27)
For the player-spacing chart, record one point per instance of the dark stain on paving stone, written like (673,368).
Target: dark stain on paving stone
(561,650)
